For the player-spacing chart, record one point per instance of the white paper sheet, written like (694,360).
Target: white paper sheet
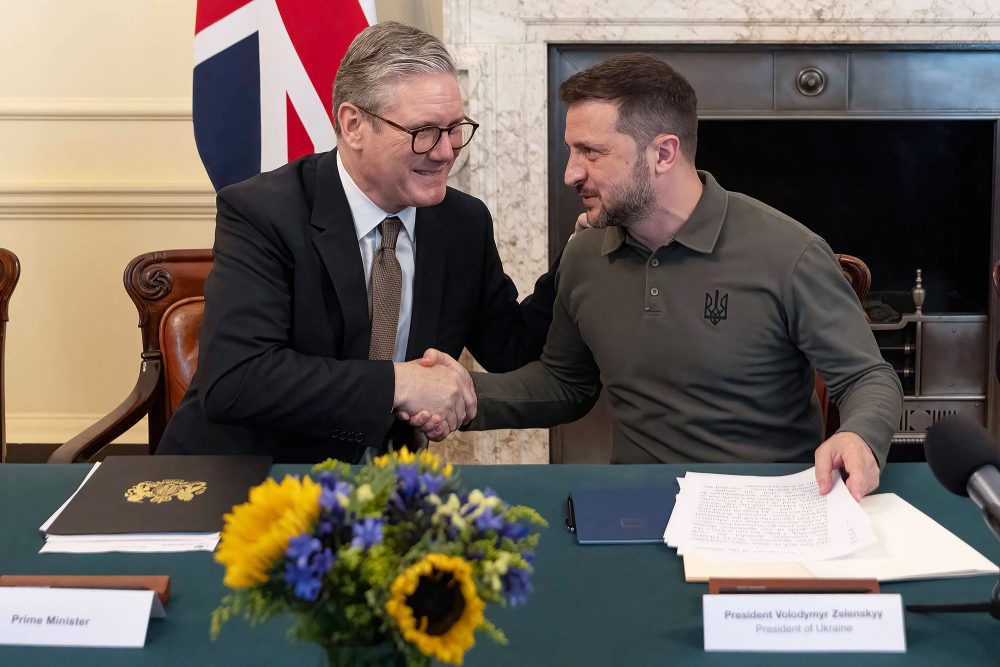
(45,526)
(909,545)
(765,519)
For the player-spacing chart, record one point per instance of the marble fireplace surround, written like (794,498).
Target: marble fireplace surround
(502,47)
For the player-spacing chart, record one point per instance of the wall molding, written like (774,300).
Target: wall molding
(104,201)
(742,22)
(59,427)
(96,108)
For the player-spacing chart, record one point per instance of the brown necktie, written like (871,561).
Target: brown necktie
(383,292)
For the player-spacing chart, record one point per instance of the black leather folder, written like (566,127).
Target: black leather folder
(160,494)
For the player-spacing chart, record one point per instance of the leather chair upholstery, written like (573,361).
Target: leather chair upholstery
(860,279)
(179,330)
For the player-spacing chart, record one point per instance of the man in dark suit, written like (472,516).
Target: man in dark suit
(332,271)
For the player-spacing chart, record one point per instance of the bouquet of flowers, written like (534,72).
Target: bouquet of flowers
(389,563)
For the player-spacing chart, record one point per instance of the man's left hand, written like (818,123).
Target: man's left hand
(847,451)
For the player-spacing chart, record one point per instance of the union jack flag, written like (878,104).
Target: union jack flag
(263,80)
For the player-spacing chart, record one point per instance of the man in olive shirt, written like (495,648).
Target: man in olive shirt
(703,312)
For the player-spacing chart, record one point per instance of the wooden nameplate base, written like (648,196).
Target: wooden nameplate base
(791,586)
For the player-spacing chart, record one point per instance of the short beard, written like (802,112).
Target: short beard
(627,203)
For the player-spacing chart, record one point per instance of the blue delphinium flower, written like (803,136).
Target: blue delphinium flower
(326,524)
(516,586)
(330,488)
(513,530)
(489,521)
(328,479)
(408,482)
(306,563)
(367,533)
(432,483)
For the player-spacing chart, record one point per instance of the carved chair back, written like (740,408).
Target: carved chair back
(10,271)
(167,288)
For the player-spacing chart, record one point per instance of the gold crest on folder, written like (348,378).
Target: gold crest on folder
(165,490)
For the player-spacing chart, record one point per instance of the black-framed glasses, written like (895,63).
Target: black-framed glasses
(426,138)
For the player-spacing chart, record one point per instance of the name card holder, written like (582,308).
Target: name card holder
(804,623)
(76,617)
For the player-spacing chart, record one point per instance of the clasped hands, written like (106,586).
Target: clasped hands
(434,394)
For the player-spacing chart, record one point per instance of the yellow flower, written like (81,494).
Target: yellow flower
(477,504)
(427,459)
(494,569)
(449,511)
(256,533)
(442,631)
(403,455)
(365,494)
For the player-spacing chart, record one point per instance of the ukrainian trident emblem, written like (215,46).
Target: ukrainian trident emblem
(716,307)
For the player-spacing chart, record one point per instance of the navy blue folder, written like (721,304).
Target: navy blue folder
(620,516)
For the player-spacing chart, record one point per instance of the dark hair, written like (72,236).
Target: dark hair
(652,98)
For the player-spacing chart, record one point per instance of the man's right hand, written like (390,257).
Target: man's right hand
(434,393)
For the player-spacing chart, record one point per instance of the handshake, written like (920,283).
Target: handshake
(434,394)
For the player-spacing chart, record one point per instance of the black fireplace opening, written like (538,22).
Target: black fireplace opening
(900,194)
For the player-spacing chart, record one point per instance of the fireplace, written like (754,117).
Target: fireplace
(888,153)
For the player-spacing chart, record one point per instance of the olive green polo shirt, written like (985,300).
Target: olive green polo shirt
(706,345)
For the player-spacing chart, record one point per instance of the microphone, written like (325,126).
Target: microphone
(966,460)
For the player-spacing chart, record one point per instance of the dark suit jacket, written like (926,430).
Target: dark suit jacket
(283,365)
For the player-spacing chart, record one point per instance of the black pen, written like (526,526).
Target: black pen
(570,515)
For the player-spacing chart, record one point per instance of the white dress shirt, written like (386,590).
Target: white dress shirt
(367,217)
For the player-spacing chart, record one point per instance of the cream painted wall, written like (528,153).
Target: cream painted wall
(97,165)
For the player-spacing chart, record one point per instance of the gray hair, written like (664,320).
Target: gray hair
(379,57)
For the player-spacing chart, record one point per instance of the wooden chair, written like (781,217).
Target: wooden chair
(860,279)
(10,271)
(168,290)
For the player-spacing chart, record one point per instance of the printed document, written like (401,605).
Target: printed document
(765,519)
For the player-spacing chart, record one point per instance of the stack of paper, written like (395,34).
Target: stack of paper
(734,526)
(765,519)
(133,543)
(909,545)
(152,504)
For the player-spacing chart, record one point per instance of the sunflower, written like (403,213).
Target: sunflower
(256,533)
(435,604)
